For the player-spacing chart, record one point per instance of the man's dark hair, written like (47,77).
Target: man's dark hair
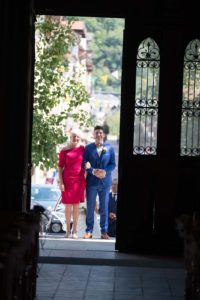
(99,127)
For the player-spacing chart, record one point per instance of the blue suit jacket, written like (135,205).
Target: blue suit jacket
(105,161)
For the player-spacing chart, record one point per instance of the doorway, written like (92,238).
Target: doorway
(100,75)
(147,214)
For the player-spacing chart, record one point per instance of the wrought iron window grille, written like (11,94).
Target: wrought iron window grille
(190,121)
(146,98)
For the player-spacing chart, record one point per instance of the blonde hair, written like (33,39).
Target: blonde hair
(77,132)
(74,131)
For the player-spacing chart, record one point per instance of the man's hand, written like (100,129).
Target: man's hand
(112,216)
(100,173)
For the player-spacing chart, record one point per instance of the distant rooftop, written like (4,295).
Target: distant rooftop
(79,26)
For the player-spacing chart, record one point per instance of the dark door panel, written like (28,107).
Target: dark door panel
(155,189)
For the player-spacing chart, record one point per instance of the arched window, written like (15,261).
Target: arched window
(146,98)
(190,123)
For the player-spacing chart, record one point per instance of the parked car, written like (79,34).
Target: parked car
(47,199)
(45,195)
(57,223)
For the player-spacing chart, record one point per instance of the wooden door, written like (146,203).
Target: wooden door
(156,182)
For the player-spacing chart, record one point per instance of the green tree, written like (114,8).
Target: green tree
(106,46)
(51,87)
(113,122)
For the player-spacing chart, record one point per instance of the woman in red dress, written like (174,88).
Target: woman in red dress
(72,180)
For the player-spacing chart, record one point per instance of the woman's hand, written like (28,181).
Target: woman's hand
(62,187)
(87,165)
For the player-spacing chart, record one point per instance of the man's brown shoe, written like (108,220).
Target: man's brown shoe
(104,236)
(88,235)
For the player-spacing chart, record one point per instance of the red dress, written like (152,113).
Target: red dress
(73,175)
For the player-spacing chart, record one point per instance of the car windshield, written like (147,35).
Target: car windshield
(44,193)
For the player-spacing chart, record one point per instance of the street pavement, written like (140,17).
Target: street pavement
(82,225)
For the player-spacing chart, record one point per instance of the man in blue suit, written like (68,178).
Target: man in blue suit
(99,160)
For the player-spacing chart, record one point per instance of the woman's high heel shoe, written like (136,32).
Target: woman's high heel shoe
(68,235)
(74,235)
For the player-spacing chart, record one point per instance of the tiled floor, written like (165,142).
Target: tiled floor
(90,270)
(108,283)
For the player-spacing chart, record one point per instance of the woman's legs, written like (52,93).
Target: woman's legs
(68,212)
(75,217)
(68,208)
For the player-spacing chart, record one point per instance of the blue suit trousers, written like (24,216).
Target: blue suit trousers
(91,194)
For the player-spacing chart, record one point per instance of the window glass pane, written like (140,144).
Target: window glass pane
(146,98)
(190,123)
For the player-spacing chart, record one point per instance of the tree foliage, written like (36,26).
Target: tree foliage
(113,121)
(106,45)
(51,88)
